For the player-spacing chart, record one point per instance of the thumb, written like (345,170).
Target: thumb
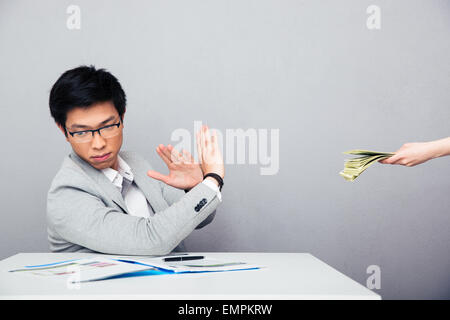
(390,160)
(158,176)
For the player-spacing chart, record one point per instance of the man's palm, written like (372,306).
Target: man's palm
(184,172)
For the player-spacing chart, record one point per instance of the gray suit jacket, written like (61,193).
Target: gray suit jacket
(86,212)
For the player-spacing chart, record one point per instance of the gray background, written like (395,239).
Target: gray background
(310,68)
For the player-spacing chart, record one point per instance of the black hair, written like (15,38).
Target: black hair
(83,87)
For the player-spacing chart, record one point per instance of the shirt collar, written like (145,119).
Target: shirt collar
(117,176)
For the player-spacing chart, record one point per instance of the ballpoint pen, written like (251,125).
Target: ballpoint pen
(171,259)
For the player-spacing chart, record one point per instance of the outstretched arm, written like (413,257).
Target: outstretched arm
(411,154)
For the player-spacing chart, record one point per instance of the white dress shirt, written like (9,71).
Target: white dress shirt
(135,200)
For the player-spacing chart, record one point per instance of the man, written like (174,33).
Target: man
(110,201)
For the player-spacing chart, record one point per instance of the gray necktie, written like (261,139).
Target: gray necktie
(126,184)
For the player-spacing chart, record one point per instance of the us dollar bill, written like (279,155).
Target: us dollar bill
(354,167)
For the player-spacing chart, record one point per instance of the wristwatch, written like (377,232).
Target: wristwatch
(217,177)
(212,175)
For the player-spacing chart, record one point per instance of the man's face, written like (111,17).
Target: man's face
(100,152)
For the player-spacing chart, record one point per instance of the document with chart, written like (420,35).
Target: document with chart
(102,268)
(81,270)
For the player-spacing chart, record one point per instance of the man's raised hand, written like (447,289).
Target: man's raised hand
(184,172)
(210,157)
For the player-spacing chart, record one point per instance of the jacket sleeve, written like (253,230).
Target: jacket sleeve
(79,217)
(172,195)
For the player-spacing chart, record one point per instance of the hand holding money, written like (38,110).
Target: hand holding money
(412,154)
(354,167)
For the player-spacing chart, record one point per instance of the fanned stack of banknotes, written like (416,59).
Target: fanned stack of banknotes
(354,167)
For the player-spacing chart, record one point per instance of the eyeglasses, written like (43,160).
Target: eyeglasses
(106,132)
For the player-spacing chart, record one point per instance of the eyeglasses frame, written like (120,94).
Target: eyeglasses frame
(96,130)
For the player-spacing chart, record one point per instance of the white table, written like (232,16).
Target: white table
(287,276)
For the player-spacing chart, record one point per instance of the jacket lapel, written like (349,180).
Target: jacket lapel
(149,186)
(105,185)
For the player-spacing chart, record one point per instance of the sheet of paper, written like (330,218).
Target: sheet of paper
(82,270)
(199,265)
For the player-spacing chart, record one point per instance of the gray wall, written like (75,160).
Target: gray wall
(309,68)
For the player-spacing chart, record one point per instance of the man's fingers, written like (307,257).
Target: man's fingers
(215,141)
(214,138)
(184,156)
(202,141)
(187,156)
(169,153)
(205,141)
(199,147)
(207,137)
(161,152)
(384,161)
(174,154)
(392,160)
(158,176)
